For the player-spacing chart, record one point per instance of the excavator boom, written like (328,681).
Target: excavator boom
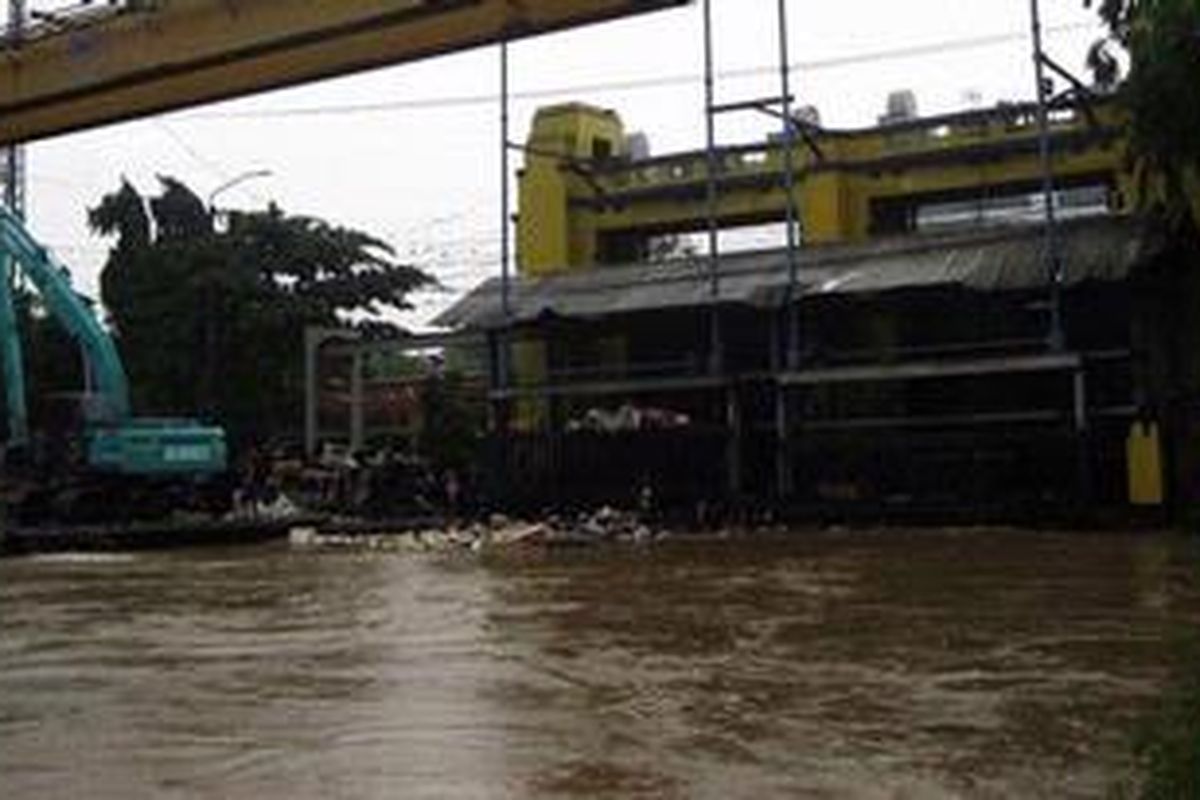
(115,442)
(147,56)
(111,404)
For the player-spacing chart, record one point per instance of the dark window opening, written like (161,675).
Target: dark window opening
(602,149)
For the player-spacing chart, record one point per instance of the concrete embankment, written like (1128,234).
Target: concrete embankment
(140,536)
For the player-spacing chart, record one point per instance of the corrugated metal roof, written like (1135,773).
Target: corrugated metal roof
(1002,259)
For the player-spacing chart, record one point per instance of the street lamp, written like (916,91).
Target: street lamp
(208,385)
(237,181)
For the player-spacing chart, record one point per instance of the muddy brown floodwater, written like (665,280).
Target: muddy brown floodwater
(873,665)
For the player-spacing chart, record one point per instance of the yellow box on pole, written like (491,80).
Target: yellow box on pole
(1144,456)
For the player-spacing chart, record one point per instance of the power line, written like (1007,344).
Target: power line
(639,84)
(182,143)
(212,166)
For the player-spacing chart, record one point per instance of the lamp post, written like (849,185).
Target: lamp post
(208,377)
(250,175)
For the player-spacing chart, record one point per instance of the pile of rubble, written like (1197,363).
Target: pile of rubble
(498,532)
(628,418)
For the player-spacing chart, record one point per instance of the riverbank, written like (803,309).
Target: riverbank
(142,536)
(605,525)
(426,533)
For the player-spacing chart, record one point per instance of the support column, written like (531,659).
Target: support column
(716,356)
(10,343)
(1082,425)
(501,344)
(504,351)
(314,339)
(312,344)
(15,195)
(733,441)
(357,423)
(1056,337)
(493,381)
(791,298)
(1079,392)
(783,444)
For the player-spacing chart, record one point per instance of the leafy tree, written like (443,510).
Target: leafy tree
(211,321)
(1161,90)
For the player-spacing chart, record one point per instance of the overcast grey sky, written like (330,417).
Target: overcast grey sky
(422,169)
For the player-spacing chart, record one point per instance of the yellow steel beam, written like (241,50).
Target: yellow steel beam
(160,55)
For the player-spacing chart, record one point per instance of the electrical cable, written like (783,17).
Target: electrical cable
(637,84)
(182,143)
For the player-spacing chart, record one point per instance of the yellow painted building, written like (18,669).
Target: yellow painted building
(587,199)
(593,198)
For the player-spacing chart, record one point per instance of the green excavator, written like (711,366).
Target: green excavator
(107,461)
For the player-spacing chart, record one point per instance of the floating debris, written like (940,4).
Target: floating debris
(498,532)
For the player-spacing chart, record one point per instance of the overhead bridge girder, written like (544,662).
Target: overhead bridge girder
(159,55)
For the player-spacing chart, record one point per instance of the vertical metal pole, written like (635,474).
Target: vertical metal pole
(14,154)
(15,196)
(789,185)
(1079,391)
(314,339)
(1053,258)
(492,346)
(357,421)
(501,348)
(1083,439)
(10,343)
(733,445)
(312,343)
(502,351)
(791,355)
(505,211)
(783,450)
(716,356)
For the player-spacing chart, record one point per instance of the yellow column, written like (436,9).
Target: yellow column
(552,236)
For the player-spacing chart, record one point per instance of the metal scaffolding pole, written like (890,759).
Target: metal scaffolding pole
(14,155)
(791,358)
(789,186)
(499,344)
(788,340)
(716,355)
(1052,253)
(502,349)
(13,165)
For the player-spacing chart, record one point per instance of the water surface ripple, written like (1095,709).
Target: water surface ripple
(873,665)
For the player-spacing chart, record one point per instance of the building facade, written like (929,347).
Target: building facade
(930,346)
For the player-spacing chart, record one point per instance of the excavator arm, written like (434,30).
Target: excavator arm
(115,441)
(110,403)
(142,57)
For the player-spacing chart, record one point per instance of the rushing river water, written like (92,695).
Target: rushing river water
(888,665)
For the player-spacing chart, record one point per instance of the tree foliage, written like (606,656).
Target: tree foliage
(1161,89)
(211,321)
